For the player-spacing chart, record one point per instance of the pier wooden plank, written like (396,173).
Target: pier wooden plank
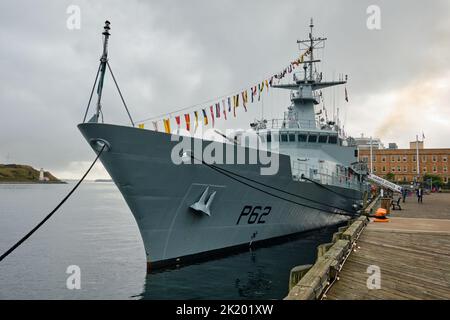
(412,251)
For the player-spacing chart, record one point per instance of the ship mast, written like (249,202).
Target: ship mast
(303,96)
(103,63)
(311,48)
(100,76)
(311,44)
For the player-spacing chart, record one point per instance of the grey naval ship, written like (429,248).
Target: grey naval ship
(191,210)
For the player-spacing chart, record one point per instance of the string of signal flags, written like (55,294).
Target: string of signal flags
(223,107)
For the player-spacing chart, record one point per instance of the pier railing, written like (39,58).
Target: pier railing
(311,282)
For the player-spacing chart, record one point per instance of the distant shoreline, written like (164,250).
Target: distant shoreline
(25,174)
(33,182)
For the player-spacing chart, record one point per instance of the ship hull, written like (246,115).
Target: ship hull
(243,211)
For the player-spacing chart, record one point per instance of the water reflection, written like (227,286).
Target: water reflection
(261,273)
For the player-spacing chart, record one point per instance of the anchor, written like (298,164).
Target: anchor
(202,205)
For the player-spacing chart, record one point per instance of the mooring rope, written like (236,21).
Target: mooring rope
(15,246)
(230,174)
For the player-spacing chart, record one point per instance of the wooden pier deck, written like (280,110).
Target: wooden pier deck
(412,252)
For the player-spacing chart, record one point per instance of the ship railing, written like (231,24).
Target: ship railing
(299,76)
(323,176)
(305,95)
(292,123)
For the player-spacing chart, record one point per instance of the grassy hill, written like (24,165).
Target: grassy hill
(22,173)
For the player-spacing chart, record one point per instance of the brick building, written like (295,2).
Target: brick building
(402,162)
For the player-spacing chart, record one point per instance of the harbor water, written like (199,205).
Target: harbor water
(96,231)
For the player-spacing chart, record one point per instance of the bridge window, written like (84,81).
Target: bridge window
(312,138)
(302,137)
(291,137)
(269,137)
(332,139)
(322,139)
(283,137)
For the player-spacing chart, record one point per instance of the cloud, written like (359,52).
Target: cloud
(170,54)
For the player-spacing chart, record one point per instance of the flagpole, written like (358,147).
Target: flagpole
(371,155)
(417,157)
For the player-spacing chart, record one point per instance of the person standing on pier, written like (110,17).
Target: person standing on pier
(420,195)
(404,194)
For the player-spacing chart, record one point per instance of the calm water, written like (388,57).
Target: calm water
(96,231)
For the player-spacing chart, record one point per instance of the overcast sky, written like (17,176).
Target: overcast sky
(170,54)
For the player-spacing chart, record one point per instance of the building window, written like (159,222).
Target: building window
(405,158)
(365,159)
(384,169)
(434,158)
(374,158)
(393,169)
(446,179)
(283,137)
(444,158)
(424,169)
(399,169)
(404,179)
(414,158)
(424,158)
(414,169)
(445,169)
(405,169)
(383,159)
(399,158)
(375,169)
(392,158)
(434,169)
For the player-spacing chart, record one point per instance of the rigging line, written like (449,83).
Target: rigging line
(120,93)
(201,103)
(329,189)
(277,189)
(345,213)
(92,92)
(18,243)
(190,107)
